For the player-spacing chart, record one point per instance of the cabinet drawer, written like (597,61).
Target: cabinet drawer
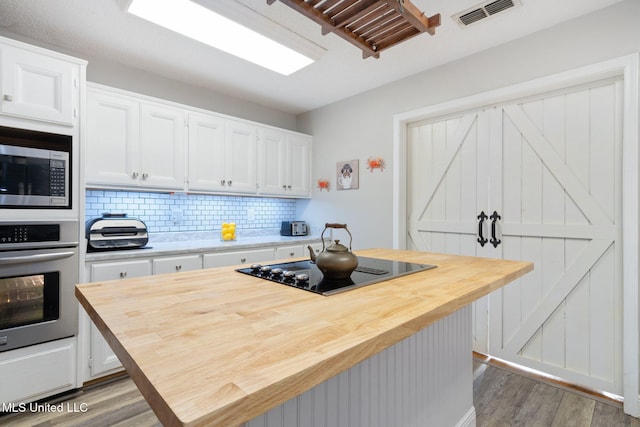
(239,257)
(120,270)
(178,263)
(284,252)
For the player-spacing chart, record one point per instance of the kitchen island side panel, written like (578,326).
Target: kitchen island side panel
(423,380)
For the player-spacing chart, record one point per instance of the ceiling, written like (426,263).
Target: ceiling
(100,29)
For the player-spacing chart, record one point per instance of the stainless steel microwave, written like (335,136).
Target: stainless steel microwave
(35,169)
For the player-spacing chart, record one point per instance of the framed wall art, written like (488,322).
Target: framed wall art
(347,173)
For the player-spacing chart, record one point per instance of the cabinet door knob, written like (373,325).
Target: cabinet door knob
(178,267)
(243,260)
(284,187)
(145,175)
(229,183)
(222,182)
(123,274)
(134,175)
(288,187)
(7,98)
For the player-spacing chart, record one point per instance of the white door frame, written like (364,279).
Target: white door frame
(627,67)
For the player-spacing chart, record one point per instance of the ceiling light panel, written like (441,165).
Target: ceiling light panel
(203,24)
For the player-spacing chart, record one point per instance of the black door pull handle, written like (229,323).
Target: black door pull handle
(494,218)
(481,239)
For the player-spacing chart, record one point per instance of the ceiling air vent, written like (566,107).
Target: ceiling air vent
(483,10)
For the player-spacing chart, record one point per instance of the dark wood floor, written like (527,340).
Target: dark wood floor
(502,397)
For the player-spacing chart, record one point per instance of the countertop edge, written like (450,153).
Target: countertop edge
(199,247)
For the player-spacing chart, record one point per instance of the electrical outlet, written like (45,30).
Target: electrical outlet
(176,216)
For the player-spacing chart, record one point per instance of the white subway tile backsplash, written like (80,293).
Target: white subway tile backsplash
(195,212)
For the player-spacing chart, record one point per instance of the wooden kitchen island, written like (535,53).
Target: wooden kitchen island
(217,347)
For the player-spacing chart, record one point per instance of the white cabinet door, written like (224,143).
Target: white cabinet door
(102,357)
(272,162)
(207,152)
(177,264)
(223,259)
(134,144)
(162,147)
(38,371)
(112,149)
(298,165)
(284,163)
(37,86)
(240,157)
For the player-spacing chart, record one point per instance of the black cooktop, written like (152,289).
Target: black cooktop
(306,275)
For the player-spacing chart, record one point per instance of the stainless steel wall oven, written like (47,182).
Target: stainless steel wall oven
(38,272)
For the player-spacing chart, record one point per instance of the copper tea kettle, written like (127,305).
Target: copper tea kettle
(336,261)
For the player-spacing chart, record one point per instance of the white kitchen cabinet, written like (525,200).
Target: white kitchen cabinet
(38,371)
(133,143)
(38,85)
(240,157)
(293,251)
(284,160)
(162,147)
(177,264)
(102,358)
(207,152)
(222,154)
(112,149)
(222,259)
(317,247)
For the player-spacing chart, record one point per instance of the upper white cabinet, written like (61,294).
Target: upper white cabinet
(207,152)
(112,148)
(162,147)
(134,144)
(240,157)
(38,85)
(133,141)
(284,160)
(222,154)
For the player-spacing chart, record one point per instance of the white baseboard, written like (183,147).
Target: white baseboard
(469,419)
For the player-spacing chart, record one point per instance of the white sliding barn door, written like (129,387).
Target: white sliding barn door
(550,168)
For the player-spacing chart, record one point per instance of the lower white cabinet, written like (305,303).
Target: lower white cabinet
(177,263)
(295,251)
(34,372)
(222,259)
(102,360)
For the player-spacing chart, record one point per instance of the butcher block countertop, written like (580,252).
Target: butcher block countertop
(217,347)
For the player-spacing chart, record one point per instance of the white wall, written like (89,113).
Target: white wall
(361,126)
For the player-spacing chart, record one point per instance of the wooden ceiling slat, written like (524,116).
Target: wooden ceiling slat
(384,16)
(415,16)
(344,5)
(392,22)
(371,25)
(390,31)
(408,33)
(350,15)
(328,4)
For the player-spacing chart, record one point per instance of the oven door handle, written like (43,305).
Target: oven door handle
(20,259)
